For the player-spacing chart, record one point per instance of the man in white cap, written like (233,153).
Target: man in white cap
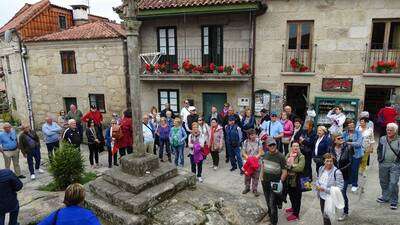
(193,117)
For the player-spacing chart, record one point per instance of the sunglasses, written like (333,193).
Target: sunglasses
(273,115)
(199,120)
(339,138)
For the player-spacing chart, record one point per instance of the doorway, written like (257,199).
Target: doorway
(210,99)
(297,98)
(375,98)
(68,101)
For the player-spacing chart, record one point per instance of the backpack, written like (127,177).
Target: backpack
(117,132)
(175,137)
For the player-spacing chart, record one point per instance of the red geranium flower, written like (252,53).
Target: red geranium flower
(212,67)
(220,69)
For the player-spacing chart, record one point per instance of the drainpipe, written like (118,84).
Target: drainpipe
(253,65)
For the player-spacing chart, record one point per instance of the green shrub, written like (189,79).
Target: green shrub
(67,166)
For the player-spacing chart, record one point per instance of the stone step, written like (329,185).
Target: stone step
(139,203)
(136,184)
(111,214)
(138,166)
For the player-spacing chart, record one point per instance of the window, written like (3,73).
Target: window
(8,64)
(168,96)
(62,22)
(212,44)
(68,62)
(385,34)
(167,45)
(300,35)
(98,101)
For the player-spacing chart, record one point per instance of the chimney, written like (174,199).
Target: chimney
(80,14)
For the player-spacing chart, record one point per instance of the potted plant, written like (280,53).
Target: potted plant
(298,66)
(228,69)
(384,67)
(198,69)
(162,68)
(149,68)
(220,69)
(175,68)
(187,66)
(245,69)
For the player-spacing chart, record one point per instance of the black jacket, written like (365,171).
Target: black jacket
(91,136)
(25,142)
(73,137)
(191,119)
(9,185)
(163,113)
(219,119)
(344,161)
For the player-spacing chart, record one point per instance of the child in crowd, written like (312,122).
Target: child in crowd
(163,132)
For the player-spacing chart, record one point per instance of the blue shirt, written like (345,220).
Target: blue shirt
(8,141)
(276,128)
(72,215)
(51,132)
(357,140)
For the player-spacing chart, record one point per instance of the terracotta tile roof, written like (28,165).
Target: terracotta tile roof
(26,13)
(88,31)
(159,4)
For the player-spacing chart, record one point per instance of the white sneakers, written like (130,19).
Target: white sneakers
(200,179)
(33,177)
(215,167)
(40,170)
(354,189)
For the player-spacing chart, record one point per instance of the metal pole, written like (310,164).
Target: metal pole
(132,36)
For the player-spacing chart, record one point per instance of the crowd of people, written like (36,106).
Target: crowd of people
(278,151)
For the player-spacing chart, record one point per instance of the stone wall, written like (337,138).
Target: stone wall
(15,80)
(100,70)
(341,30)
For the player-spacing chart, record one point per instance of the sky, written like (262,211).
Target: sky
(8,8)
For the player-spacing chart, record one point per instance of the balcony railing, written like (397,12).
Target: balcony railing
(198,61)
(381,60)
(298,60)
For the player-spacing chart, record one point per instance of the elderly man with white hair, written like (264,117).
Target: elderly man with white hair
(389,166)
(9,148)
(51,133)
(72,134)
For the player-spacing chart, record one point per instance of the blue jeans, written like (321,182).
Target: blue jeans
(235,157)
(389,174)
(164,143)
(355,165)
(346,199)
(51,147)
(33,154)
(178,152)
(13,217)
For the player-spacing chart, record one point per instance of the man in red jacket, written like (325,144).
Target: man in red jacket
(386,115)
(95,115)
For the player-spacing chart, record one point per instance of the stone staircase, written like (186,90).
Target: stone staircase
(123,195)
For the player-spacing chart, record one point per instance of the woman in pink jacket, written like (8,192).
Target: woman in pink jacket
(216,141)
(287,132)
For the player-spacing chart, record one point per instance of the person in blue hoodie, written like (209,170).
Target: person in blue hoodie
(233,140)
(51,133)
(354,138)
(9,185)
(72,213)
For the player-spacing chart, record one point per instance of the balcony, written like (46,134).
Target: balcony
(298,62)
(196,64)
(381,62)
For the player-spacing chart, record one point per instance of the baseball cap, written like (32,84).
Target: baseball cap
(271,141)
(274,113)
(192,108)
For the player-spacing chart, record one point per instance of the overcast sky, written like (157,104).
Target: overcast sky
(8,8)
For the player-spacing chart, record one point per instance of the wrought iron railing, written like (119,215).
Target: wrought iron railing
(298,60)
(234,57)
(379,59)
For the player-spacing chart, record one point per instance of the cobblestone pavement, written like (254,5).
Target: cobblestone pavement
(363,208)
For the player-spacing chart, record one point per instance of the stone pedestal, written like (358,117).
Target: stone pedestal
(124,194)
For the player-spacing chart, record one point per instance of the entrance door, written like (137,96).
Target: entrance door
(297,98)
(68,102)
(212,45)
(210,99)
(375,98)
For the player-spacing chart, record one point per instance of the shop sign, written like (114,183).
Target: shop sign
(337,84)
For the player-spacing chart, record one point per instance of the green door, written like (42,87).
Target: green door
(68,102)
(210,99)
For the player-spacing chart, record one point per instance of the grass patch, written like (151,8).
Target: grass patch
(52,187)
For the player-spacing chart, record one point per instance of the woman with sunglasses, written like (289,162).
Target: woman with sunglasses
(343,154)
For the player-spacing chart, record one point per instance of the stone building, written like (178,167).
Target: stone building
(206,33)
(71,57)
(334,44)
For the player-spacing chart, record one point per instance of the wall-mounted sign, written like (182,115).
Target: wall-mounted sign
(337,84)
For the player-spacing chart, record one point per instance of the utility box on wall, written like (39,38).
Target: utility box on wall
(243,102)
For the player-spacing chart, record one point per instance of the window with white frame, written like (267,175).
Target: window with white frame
(170,96)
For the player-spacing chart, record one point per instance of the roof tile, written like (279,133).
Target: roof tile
(160,4)
(93,30)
